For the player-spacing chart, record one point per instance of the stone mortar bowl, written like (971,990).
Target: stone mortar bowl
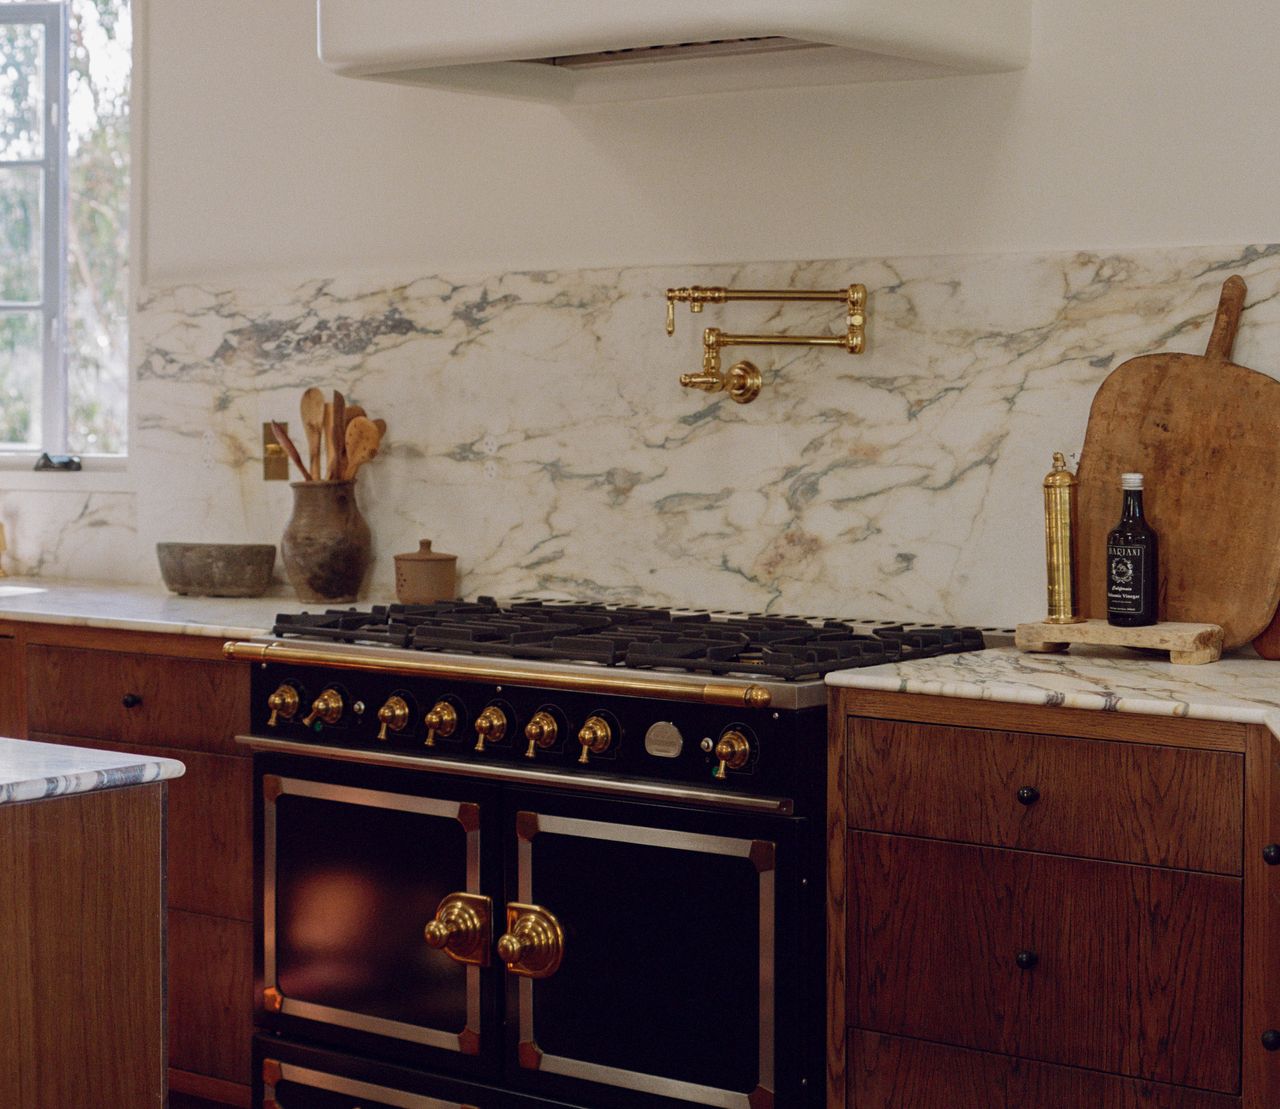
(217,569)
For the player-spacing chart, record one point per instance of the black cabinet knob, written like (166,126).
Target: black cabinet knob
(1271,854)
(131,700)
(1028,795)
(1271,1039)
(1026,960)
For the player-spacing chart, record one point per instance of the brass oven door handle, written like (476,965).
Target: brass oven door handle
(462,928)
(533,944)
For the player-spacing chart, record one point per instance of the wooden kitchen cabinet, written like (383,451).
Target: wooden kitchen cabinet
(172,695)
(1047,907)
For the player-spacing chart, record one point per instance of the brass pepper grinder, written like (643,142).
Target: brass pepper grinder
(1059,539)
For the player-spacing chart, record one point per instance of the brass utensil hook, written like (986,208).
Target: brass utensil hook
(743,379)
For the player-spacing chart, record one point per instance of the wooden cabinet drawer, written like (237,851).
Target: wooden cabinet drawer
(1130,802)
(210,828)
(134,698)
(1137,972)
(889,1073)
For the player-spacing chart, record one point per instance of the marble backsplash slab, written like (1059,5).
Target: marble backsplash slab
(538,431)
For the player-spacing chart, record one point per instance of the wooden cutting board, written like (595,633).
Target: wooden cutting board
(1206,433)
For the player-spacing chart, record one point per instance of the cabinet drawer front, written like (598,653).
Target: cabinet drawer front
(167,702)
(1135,970)
(1129,802)
(889,1073)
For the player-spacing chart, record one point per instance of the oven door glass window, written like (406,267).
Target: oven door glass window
(351,879)
(665,982)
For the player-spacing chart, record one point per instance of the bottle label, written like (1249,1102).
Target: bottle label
(1126,574)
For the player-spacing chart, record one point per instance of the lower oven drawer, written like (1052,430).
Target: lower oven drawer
(1127,969)
(296,1076)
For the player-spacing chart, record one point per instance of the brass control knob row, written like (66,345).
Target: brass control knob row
(283,704)
(393,716)
(441,721)
(733,750)
(541,731)
(491,726)
(595,736)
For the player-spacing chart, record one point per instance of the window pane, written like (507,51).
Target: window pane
(21,91)
(98,225)
(20,233)
(20,377)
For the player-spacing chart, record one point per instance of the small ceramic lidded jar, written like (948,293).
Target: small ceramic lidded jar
(424,575)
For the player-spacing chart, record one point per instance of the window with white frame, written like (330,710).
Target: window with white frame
(64,192)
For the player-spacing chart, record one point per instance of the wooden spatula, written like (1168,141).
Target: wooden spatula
(338,463)
(313,423)
(282,437)
(362,444)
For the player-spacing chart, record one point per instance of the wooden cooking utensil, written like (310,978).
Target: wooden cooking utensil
(354,410)
(328,442)
(362,445)
(381,425)
(338,463)
(313,424)
(1203,431)
(282,437)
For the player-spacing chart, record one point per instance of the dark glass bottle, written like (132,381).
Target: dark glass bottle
(1133,562)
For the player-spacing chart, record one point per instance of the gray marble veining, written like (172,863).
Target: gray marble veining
(31,771)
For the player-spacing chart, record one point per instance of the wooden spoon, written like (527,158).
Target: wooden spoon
(313,422)
(381,425)
(338,463)
(282,437)
(354,410)
(362,445)
(328,442)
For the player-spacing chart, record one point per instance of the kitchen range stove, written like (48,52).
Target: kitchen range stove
(543,853)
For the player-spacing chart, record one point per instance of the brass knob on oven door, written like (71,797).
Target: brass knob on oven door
(394,715)
(461,928)
(533,944)
(491,726)
(326,708)
(283,704)
(541,731)
(441,721)
(595,737)
(733,750)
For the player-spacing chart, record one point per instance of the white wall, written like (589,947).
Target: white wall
(1141,122)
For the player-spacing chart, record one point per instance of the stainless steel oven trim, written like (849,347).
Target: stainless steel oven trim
(337,1084)
(530,825)
(468,1040)
(494,772)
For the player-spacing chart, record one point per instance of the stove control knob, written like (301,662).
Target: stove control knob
(283,704)
(491,726)
(326,708)
(393,716)
(595,737)
(733,750)
(541,731)
(441,721)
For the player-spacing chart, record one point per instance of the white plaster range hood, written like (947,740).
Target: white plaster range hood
(593,50)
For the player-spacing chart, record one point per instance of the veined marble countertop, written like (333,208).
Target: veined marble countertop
(31,771)
(1243,689)
(145,608)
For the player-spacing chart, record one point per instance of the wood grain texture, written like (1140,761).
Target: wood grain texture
(185,703)
(210,996)
(892,1073)
(837,930)
(210,840)
(169,644)
(1127,802)
(1203,431)
(1139,969)
(1187,644)
(1127,727)
(13,709)
(1261,920)
(199,1090)
(82,951)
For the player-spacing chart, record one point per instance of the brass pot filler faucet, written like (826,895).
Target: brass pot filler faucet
(742,381)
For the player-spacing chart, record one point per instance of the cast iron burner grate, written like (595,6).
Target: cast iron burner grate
(787,648)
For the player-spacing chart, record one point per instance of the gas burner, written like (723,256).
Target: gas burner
(785,648)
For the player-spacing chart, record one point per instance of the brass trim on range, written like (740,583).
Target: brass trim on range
(274,1072)
(734,694)
(529,775)
(461,928)
(275,786)
(533,944)
(762,855)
